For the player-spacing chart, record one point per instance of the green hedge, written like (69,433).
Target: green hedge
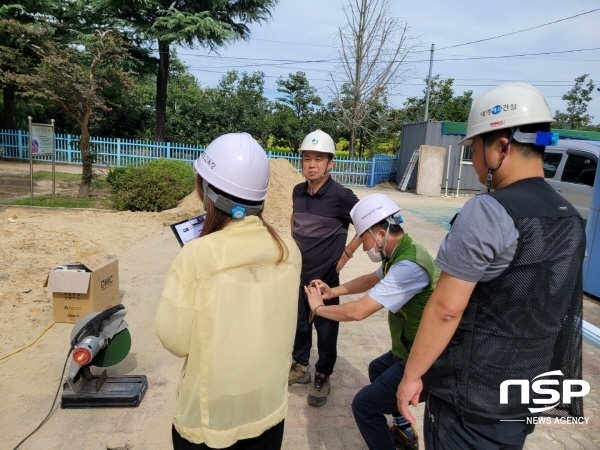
(114,176)
(155,186)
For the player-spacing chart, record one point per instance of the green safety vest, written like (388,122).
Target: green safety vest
(405,322)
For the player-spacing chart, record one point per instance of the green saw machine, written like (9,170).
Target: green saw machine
(101,340)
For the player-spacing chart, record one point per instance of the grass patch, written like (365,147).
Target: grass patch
(98,182)
(388,185)
(65,202)
(60,176)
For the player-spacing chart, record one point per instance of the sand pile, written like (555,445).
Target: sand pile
(278,207)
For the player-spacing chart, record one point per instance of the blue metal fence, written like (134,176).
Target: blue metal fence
(116,152)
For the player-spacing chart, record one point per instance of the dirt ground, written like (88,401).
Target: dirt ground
(34,240)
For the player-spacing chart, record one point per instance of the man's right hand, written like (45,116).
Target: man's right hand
(339,265)
(408,395)
(326,291)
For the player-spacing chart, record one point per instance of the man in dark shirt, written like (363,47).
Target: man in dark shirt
(508,304)
(320,219)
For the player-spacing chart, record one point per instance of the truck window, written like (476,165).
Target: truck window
(550,163)
(577,168)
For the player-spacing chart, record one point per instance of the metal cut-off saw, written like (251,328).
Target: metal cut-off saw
(101,339)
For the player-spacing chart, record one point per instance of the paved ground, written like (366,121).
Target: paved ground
(142,270)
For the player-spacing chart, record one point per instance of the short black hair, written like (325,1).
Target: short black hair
(394,229)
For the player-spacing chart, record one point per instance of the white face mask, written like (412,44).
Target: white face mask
(374,254)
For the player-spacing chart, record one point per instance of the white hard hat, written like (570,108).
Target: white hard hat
(318,141)
(506,106)
(237,165)
(372,210)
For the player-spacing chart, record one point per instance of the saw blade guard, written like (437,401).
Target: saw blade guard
(97,342)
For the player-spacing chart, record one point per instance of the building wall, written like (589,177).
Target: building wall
(413,136)
(430,133)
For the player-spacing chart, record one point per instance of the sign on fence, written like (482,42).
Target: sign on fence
(42,139)
(41,142)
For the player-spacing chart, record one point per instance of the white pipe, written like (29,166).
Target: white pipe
(591,334)
(447,170)
(460,164)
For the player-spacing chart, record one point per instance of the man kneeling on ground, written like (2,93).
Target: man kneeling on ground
(403,285)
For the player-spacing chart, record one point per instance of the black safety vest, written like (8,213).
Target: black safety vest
(525,322)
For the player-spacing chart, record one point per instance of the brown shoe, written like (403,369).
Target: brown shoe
(317,396)
(402,441)
(298,374)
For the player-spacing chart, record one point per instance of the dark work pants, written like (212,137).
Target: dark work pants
(377,399)
(269,440)
(327,333)
(446,429)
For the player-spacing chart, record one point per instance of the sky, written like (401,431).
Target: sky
(302,31)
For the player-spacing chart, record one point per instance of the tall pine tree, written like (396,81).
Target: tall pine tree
(207,23)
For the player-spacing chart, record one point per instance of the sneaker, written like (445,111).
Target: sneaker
(402,441)
(317,396)
(298,374)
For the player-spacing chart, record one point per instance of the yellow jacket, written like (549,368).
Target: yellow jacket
(230,311)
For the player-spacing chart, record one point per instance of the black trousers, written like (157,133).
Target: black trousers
(327,334)
(269,440)
(379,398)
(445,428)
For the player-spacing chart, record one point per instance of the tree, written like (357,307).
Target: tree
(242,106)
(443,104)
(129,111)
(208,24)
(199,115)
(186,106)
(74,76)
(15,54)
(66,19)
(294,116)
(578,98)
(379,130)
(372,50)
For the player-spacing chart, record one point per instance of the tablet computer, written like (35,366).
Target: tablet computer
(188,229)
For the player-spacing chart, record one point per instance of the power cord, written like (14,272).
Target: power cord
(28,345)
(53,403)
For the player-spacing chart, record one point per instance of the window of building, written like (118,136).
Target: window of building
(467,154)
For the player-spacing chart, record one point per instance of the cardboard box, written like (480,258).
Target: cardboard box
(83,287)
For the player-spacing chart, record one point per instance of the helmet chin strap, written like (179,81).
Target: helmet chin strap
(383,242)
(489,179)
(491,171)
(320,177)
